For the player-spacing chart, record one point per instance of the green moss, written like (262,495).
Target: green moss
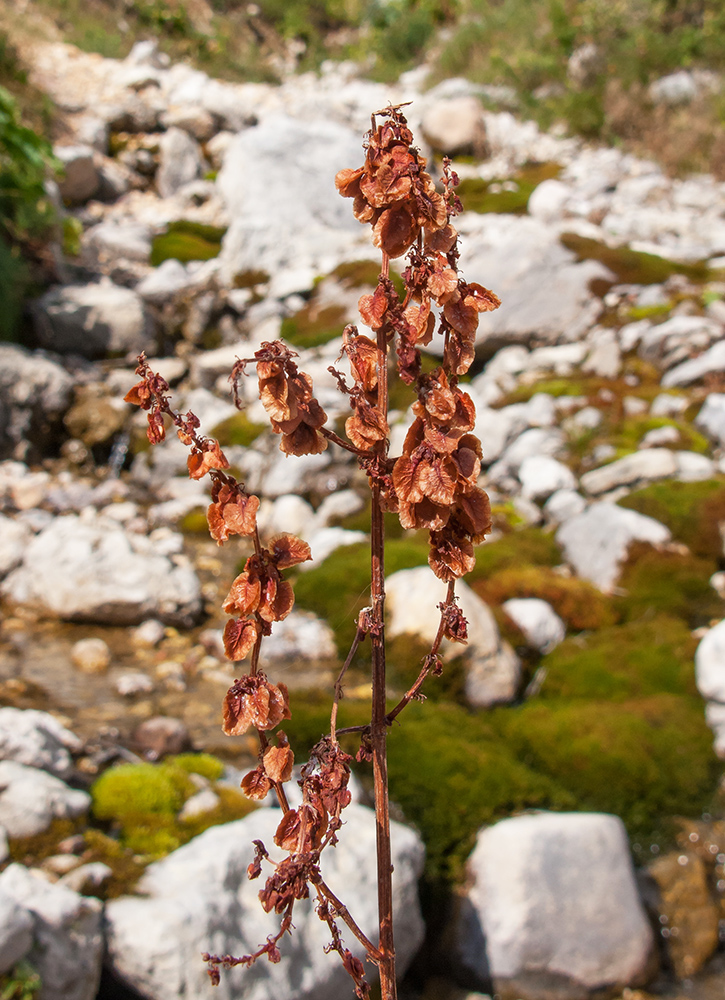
(32,850)
(648,312)
(505,195)
(451,774)
(130,789)
(237,429)
(339,588)
(692,512)
(634,660)
(580,604)
(633,266)
(524,546)
(126,868)
(627,434)
(205,764)
(312,326)
(645,760)
(185,241)
(194,522)
(250,279)
(357,273)
(21,982)
(671,583)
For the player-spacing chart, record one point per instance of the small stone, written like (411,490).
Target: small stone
(161,735)
(133,683)
(86,879)
(148,633)
(91,656)
(31,799)
(541,625)
(204,801)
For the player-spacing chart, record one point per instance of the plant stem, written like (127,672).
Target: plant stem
(379,727)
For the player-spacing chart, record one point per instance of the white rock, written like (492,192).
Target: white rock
(111,240)
(80,181)
(555,900)
(199,899)
(67,948)
(712,360)
(586,419)
(324,542)
(711,418)
(596,541)
(693,467)
(710,664)
(91,656)
(642,467)
(541,475)
(92,320)
(164,282)
(148,633)
(340,504)
(541,625)
(88,569)
(132,683)
(288,513)
(179,161)
(564,505)
(715,718)
(37,739)
(14,537)
(86,878)
(548,199)
(16,933)
(35,392)
(198,122)
(675,88)
(493,671)
(204,801)
(659,436)
(456,126)
(605,357)
(301,636)
(31,799)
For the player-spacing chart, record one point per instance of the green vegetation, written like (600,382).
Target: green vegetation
(143,801)
(184,240)
(313,325)
(26,214)
(532,546)
(692,512)
(237,429)
(632,266)
(508,195)
(22,982)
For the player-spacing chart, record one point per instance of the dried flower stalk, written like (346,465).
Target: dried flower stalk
(432,485)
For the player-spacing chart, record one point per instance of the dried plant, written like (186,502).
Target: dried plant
(432,485)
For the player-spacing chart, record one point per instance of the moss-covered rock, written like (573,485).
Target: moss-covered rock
(621,662)
(667,583)
(632,266)
(645,759)
(579,603)
(505,195)
(692,512)
(204,764)
(184,240)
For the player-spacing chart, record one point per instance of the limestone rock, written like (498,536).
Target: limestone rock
(80,181)
(37,739)
(31,799)
(14,536)
(16,933)
(91,655)
(596,541)
(92,320)
(711,418)
(179,161)
(456,126)
(541,625)
(712,360)
(564,505)
(541,475)
(493,671)
(199,899)
(710,664)
(553,909)
(90,569)
(301,636)
(67,947)
(643,467)
(35,392)
(161,735)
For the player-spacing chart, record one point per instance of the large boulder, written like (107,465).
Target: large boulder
(552,910)
(92,320)
(456,125)
(199,899)
(493,671)
(89,569)
(279,177)
(62,937)
(545,293)
(596,541)
(35,392)
(647,467)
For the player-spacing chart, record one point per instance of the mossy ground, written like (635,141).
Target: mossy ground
(185,241)
(237,429)
(633,266)
(505,195)
(692,512)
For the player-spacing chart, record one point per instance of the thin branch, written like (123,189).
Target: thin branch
(359,636)
(343,912)
(336,439)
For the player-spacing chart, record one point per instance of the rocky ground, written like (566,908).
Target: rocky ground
(206,223)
